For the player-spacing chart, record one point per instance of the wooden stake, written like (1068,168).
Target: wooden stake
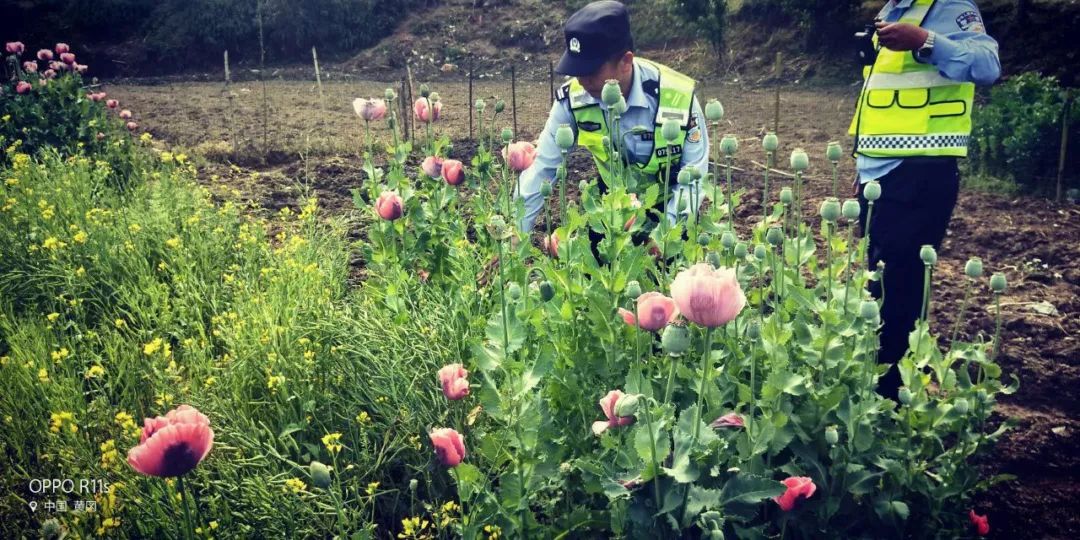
(469,105)
(405,118)
(318,79)
(776,104)
(1065,114)
(412,126)
(513,97)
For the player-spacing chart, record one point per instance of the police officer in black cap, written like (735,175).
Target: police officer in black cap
(599,48)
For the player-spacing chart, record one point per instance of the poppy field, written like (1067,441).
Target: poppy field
(223,370)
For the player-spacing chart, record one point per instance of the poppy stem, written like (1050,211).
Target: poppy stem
(184,495)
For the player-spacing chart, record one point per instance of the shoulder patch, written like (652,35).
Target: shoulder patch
(651,87)
(970,21)
(694,136)
(562,91)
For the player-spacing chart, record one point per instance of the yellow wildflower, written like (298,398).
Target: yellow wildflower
(330,440)
(60,354)
(43,375)
(58,419)
(173,242)
(52,316)
(107,525)
(94,372)
(371,488)
(134,228)
(53,242)
(80,272)
(109,455)
(80,237)
(295,485)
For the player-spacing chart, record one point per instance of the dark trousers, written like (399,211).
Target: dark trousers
(916,204)
(641,237)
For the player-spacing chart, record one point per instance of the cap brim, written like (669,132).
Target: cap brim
(577,66)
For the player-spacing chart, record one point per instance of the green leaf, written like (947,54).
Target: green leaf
(749,489)
(469,480)
(700,499)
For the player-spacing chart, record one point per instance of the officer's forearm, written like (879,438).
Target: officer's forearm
(974,59)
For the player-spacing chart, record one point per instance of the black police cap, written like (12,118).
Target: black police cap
(595,34)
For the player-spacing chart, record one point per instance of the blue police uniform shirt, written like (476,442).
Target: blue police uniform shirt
(962,52)
(641,111)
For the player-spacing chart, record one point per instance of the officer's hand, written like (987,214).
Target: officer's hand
(900,36)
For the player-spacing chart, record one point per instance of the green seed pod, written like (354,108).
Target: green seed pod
(830,210)
(961,405)
(685,177)
(565,468)
(850,209)
(627,405)
(51,529)
(775,236)
(799,160)
(998,282)
(905,395)
(974,268)
(611,93)
(754,330)
(728,239)
(564,137)
(834,151)
(605,140)
(770,142)
(390,95)
(620,106)
(413,484)
(425,91)
(669,130)
(928,255)
(760,252)
(320,474)
(694,172)
(513,290)
(983,397)
(868,310)
(682,205)
(633,289)
(500,106)
(497,227)
(546,189)
(713,258)
(675,340)
(434,96)
(740,250)
(729,144)
(547,291)
(831,435)
(480,105)
(787,196)
(872,190)
(703,239)
(507,135)
(714,111)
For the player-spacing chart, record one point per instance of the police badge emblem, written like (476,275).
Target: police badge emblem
(575,45)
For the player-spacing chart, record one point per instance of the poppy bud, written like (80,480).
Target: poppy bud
(547,291)
(434,96)
(390,95)
(685,177)
(974,268)
(714,111)
(729,144)
(605,140)
(669,130)
(513,290)
(754,330)
(713,258)
(728,239)
(770,142)
(425,91)
(675,340)
(868,310)
(497,226)
(627,405)
(830,210)
(413,484)
(961,405)
(564,137)
(633,289)
(320,474)
(695,174)
(998,282)
(928,255)
(500,106)
(507,135)
(740,250)
(610,94)
(799,160)
(905,395)
(834,152)
(831,435)
(787,196)
(983,397)
(703,239)
(760,252)
(775,236)
(480,105)
(850,209)
(872,190)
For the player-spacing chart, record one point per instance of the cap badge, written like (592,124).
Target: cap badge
(575,45)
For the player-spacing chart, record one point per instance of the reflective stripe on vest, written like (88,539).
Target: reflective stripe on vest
(907,108)
(676,96)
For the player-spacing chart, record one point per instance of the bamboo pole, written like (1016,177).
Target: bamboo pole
(1065,114)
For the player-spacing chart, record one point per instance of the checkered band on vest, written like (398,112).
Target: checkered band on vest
(901,142)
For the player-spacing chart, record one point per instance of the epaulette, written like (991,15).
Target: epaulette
(563,91)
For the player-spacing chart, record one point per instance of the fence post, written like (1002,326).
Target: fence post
(412,125)
(551,80)
(318,79)
(776,104)
(1065,114)
(513,97)
(469,105)
(405,119)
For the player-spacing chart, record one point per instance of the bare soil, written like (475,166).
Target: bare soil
(311,147)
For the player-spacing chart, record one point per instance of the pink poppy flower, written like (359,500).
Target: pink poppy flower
(23,87)
(174,444)
(427,110)
(519,155)
(389,205)
(125,114)
(628,317)
(607,404)
(81,68)
(731,420)
(454,381)
(30,66)
(432,166)
(453,172)
(49,73)
(449,446)
(369,109)
(14,47)
(707,296)
(112,104)
(797,487)
(62,48)
(67,58)
(132,126)
(655,311)
(551,245)
(634,203)
(981,523)
(44,55)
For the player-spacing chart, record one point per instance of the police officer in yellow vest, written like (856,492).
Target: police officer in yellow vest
(912,122)
(599,47)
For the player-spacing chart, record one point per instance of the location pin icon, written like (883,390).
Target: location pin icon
(33,506)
